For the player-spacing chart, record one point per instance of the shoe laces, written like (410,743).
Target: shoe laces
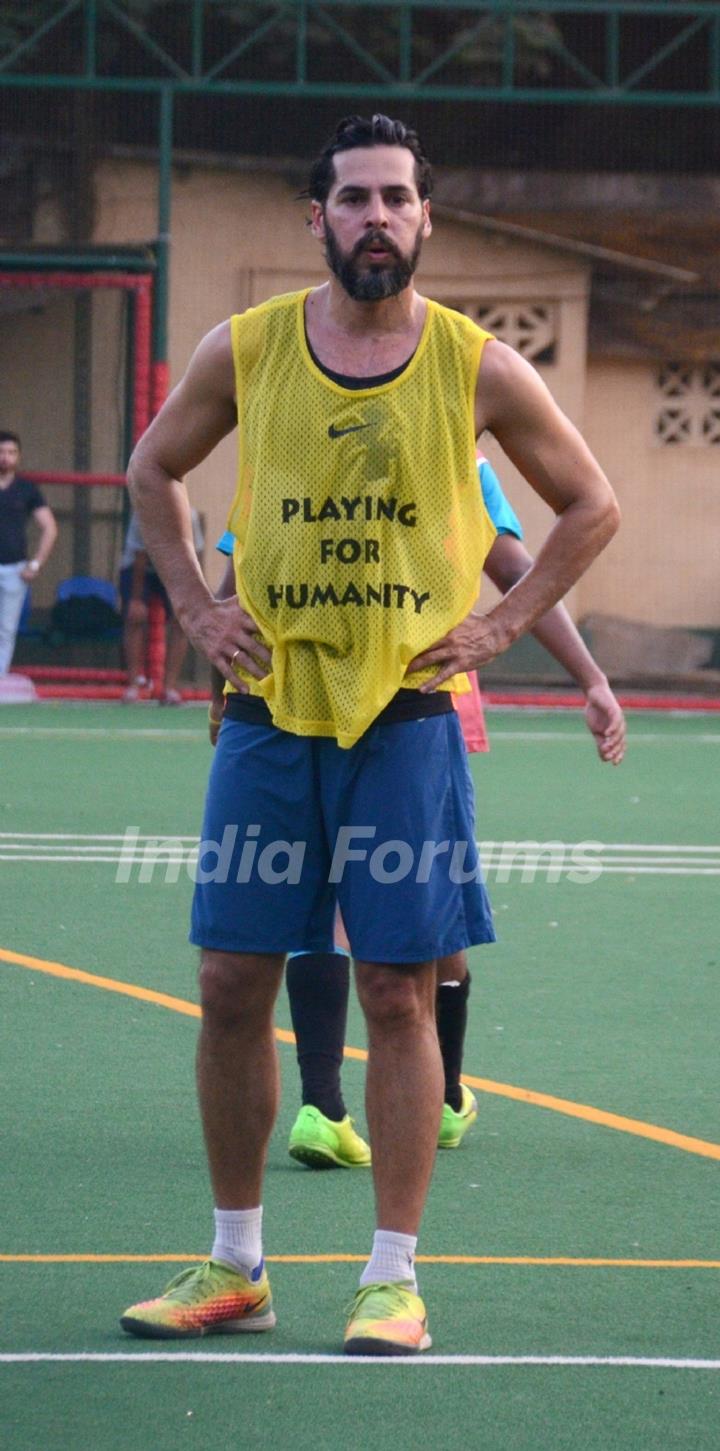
(393,1293)
(197,1280)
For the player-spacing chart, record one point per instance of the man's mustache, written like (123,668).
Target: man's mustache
(375,239)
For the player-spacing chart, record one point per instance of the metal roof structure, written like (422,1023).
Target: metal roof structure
(568,52)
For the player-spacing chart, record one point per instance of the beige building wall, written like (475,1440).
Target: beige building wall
(239,237)
(662,568)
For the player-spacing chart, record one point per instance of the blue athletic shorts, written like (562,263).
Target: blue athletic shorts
(294,825)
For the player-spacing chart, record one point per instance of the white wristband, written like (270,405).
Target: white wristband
(33,565)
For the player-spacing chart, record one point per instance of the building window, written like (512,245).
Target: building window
(529,327)
(688,404)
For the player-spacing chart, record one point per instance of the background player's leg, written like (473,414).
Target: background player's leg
(176,652)
(318,985)
(323,1135)
(453,990)
(12,595)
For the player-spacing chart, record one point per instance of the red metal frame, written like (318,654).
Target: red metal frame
(146,386)
(149,385)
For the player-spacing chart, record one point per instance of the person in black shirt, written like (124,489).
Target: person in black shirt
(19,500)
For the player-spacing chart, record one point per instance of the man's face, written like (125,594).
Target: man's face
(373,223)
(9,457)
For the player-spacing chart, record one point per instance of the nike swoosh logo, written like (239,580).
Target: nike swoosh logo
(334,432)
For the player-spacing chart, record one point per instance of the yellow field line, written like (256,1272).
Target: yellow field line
(703,1147)
(568,1261)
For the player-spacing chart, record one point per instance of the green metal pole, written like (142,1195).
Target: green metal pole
(90,46)
(196,31)
(612,51)
(406,51)
(162,275)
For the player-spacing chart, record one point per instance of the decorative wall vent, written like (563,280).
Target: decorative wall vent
(688,404)
(529,327)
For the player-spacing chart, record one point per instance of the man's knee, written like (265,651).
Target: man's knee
(396,995)
(237,989)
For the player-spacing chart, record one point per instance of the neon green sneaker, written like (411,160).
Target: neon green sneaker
(208,1299)
(454,1126)
(321,1143)
(386,1320)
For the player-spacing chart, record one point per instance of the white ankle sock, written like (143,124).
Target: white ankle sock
(238,1238)
(392,1258)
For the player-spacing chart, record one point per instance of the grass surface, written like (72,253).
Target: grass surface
(603,994)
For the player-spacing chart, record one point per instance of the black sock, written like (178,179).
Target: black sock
(451,1006)
(318,985)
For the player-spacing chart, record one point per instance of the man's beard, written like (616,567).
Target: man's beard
(380,280)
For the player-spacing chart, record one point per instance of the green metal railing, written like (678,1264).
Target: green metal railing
(563,52)
(539,51)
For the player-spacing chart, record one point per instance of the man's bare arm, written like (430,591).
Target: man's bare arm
(45,520)
(198,414)
(513,402)
(507,563)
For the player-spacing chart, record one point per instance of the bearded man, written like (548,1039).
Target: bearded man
(340,768)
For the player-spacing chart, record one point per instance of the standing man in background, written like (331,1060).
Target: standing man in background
(20,500)
(139,584)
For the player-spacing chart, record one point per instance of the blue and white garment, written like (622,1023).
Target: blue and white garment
(500,510)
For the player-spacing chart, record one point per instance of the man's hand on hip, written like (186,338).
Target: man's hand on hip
(472,643)
(231,640)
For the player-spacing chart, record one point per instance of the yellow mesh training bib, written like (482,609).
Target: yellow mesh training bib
(360,527)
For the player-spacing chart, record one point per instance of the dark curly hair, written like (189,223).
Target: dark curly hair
(356,131)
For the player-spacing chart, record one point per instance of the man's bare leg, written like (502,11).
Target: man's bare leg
(237,1071)
(176,652)
(237,1074)
(404,1090)
(453,968)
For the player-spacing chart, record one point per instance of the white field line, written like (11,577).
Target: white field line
(642,848)
(204,1357)
(647,849)
(645,738)
(518,866)
(101,733)
(540,855)
(105,836)
(606,871)
(95,836)
(511,857)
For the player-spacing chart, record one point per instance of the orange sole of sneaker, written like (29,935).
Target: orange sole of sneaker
(366,1345)
(148,1331)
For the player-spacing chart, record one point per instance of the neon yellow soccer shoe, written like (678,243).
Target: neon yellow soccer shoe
(208,1299)
(454,1126)
(321,1143)
(387,1320)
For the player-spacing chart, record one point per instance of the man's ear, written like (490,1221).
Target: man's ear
(427,219)
(317,220)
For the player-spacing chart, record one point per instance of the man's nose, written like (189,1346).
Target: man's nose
(376,214)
